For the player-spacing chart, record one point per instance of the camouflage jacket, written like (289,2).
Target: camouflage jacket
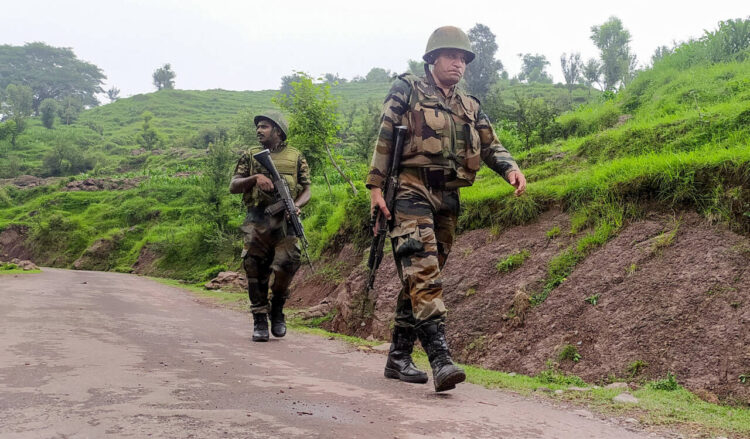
(450,132)
(290,163)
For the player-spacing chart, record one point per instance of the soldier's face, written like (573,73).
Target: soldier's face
(449,67)
(266,133)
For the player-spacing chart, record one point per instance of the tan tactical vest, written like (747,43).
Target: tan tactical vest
(286,161)
(440,136)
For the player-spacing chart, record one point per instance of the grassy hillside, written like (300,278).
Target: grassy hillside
(676,136)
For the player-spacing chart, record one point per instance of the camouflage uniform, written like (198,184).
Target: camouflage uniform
(269,246)
(446,138)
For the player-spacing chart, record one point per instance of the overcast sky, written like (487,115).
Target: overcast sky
(249,45)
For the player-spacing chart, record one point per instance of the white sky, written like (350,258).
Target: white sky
(249,45)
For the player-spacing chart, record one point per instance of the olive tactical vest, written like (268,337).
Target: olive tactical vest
(286,161)
(442,136)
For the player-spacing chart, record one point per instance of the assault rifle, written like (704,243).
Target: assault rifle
(389,195)
(285,201)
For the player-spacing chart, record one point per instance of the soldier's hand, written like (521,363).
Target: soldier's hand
(377,202)
(518,181)
(263,182)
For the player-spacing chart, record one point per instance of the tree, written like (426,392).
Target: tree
(332,79)
(286,84)
(148,138)
(69,109)
(377,74)
(592,73)
(532,68)
(416,67)
(613,41)
(164,77)
(485,69)
(533,115)
(47,109)
(313,122)
(113,94)
(365,130)
(571,67)
(51,72)
(65,157)
(216,175)
(18,104)
(8,129)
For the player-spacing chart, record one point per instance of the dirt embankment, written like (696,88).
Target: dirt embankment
(12,243)
(655,304)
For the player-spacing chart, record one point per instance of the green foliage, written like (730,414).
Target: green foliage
(552,375)
(364,131)
(533,68)
(47,110)
(378,74)
(416,67)
(533,116)
(608,219)
(51,72)
(618,63)
(729,42)
(485,69)
(69,109)
(569,352)
(571,67)
(113,94)
(636,368)
(513,261)
(65,157)
(216,175)
(163,77)
(668,384)
(312,118)
(17,103)
(553,232)
(148,138)
(593,299)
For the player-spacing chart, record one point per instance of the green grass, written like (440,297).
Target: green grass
(18,271)
(513,261)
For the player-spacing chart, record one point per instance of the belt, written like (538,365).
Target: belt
(433,178)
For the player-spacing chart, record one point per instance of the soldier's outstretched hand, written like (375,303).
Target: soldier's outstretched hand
(518,181)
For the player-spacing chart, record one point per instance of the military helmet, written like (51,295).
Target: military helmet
(448,37)
(278,120)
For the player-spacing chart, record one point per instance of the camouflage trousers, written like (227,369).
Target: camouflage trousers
(268,251)
(423,230)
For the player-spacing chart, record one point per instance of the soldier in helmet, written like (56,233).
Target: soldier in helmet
(447,139)
(270,246)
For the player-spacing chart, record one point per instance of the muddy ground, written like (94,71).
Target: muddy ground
(661,305)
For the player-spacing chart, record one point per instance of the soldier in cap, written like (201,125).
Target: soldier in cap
(270,246)
(447,139)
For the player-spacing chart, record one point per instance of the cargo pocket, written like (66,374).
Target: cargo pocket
(406,239)
(430,139)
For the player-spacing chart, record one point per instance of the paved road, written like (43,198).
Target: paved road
(90,354)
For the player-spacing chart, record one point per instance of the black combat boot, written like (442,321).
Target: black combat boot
(445,374)
(278,323)
(260,327)
(400,365)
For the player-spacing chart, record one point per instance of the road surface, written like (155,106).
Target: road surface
(91,354)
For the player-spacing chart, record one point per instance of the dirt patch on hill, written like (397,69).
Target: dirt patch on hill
(13,243)
(102,184)
(98,255)
(668,294)
(146,262)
